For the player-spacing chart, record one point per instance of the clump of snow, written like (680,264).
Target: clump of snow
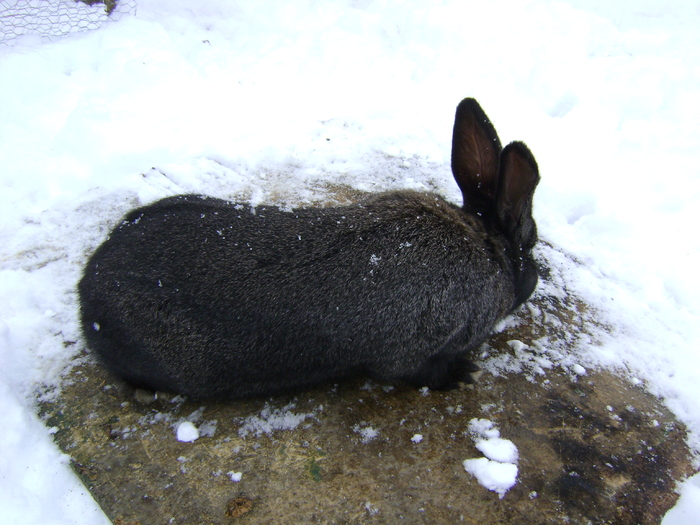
(498,449)
(208,428)
(483,428)
(531,360)
(516,345)
(183,463)
(498,470)
(272,419)
(367,432)
(495,476)
(196,415)
(235,476)
(417,438)
(155,417)
(371,509)
(187,432)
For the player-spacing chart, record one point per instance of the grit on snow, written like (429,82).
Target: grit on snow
(284,101)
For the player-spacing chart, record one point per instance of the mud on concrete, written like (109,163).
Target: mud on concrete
(593,447)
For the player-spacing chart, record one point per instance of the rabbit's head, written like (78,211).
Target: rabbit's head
(498,185)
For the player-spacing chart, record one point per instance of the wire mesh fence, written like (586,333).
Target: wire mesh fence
(52,19)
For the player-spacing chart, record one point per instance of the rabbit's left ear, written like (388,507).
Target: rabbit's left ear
(475,157)
(518,179)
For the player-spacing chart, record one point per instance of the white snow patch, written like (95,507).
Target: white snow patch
(579,370)
(208,428)
(367,432)
(483,428)
(687,509)
(495,476)
(497,471)
(371,509)
(187,432)
(271,420)
(498,449)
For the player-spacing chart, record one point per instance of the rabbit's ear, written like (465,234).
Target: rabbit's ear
(475,157)
(518,180)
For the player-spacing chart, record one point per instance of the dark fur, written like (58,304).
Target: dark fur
(205,297)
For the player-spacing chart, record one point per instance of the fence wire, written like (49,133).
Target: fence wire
(53,19)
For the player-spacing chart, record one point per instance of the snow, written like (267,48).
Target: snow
(37,483)
(498,449)
(241,101)
(495,476)
(579,370)
(367,432)
(272,419)
(498,470)
(187,432)
(483,428)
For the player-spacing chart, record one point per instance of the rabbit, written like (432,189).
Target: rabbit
(213,299)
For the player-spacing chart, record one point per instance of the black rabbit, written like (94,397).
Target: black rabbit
(210,298)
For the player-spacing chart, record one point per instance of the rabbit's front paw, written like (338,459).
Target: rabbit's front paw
(445,372)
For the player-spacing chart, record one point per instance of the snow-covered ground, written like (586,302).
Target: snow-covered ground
(277,100)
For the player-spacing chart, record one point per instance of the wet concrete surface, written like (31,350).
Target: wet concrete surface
(593,447)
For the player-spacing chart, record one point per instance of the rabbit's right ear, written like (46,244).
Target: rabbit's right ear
(519,178)
(476,152)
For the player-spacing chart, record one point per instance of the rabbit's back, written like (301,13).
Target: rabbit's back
(209,298)
(212,298)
